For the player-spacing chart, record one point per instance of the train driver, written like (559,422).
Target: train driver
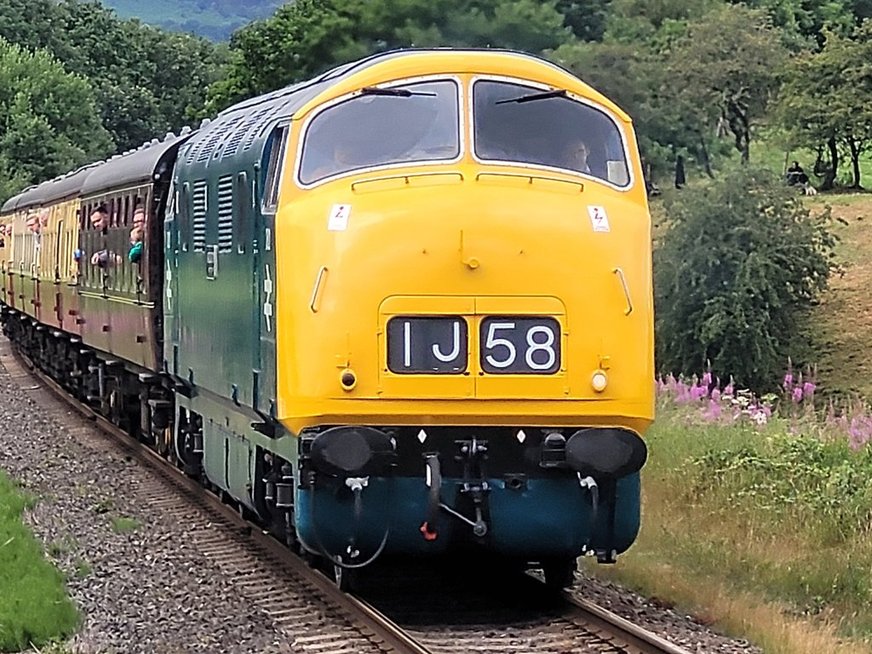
(575,156)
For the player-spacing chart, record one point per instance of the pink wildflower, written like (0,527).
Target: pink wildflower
(698,392)
(713,413)
(797,394)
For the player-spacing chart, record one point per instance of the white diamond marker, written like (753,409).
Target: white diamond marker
(422,436)
(521,436)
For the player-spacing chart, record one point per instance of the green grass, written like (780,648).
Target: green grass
(841,324)
(124,525)
(34,607)
(765,533)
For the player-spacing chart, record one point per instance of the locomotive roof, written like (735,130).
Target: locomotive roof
(238,132)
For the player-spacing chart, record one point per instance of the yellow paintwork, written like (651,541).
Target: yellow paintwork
(462,239)
(43,258)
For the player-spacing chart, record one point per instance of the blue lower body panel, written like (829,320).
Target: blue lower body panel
(547,518)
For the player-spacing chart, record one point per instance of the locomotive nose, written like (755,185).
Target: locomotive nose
(611,453)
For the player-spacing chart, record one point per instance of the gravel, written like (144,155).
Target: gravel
(139,585)
(139,580)
(682,630)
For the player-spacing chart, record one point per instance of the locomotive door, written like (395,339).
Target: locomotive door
(170,282)
(266,196)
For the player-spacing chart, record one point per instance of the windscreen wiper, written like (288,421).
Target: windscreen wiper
(392,92)
(532,97)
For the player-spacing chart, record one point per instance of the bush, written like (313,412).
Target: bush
(739,261)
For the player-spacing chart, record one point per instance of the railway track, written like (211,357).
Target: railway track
(405,613)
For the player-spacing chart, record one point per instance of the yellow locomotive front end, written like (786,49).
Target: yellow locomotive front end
(463,311)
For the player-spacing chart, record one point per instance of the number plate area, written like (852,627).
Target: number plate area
(431,345)
(497,347)
(519,345)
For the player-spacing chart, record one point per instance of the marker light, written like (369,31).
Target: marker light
(348,380)
(599,380)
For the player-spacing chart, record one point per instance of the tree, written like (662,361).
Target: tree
(826,101)
(145,81)
(310,36)
(726,69)
(804,22)
(740,261)
(586,18)
(49,118)
(148,81)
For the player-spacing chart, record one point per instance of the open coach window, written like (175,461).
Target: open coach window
(415,122)
(529,125)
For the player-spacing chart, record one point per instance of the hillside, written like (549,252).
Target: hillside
(214,19)
(842,323)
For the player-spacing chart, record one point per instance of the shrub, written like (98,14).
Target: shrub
(739,261)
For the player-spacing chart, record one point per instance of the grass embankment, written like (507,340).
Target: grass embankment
(759,529)
(842,323)
(34,607)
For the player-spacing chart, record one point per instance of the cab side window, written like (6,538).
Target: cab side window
(275,156)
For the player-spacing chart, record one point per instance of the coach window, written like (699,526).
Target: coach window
(517,123)
(275,156)
(382,126)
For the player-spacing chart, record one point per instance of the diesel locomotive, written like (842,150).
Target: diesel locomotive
(403,307)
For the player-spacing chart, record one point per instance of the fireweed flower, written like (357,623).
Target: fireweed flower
(707,401)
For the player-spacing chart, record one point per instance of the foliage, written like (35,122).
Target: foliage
(586,18)
(310,36)
(145,81)
(727,66)
(790,475)
(740,260)
(803,23)
(34,607)
(148,81)
(815,110)
(213,19)
(744,514)
(49,118)
(654,23)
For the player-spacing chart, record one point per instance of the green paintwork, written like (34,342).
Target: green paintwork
(214,330)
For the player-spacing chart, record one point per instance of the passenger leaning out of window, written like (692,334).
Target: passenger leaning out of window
(136,236)
(100,221)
